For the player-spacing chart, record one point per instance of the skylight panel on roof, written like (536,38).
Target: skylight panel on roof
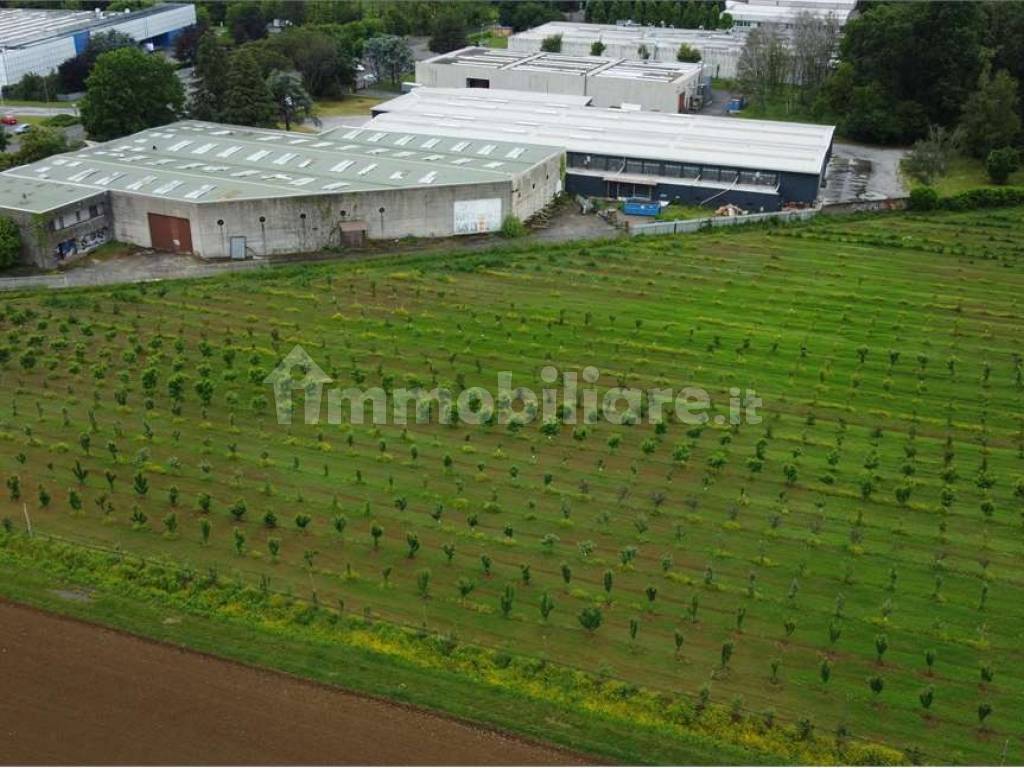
(486,149)
(203,149)
(344,165)
(375,137)
(459,146)
(429,143)
(162,161)
(188,166)
(229,151)
(258,155)
(397,176)
(298,141)
(198,192)
(305,163)
(59,161)
(103,181)
(268,137)
(352,134)
(461,161)
(347,147)
(515,153)
(170,186)
(285,158)
(224,132)
(214,168)
(428,178)
(376,151)
(403,140)
(321,144)
(82,175)
(335,185)
(243,174)
(366,170)
(431,158)
(494,164)
(139,183)
(303,181)
(178,146)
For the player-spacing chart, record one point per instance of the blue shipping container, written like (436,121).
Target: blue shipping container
(638,208)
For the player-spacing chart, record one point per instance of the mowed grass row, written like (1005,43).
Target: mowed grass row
(878,505)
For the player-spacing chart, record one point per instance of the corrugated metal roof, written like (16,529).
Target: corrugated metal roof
(209,162)
(25,26)
(722,141)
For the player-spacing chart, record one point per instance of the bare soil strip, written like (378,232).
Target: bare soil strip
(75,693)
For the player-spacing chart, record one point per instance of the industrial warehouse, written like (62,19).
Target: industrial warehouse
(720,50)
(35,41)
(609,82)
(756,164)
(220,191)
(783,14)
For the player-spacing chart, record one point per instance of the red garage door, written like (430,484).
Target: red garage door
(170,233)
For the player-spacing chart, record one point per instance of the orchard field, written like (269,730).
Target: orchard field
(848,569)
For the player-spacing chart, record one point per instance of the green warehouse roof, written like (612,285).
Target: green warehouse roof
(207,163)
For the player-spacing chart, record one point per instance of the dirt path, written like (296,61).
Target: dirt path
(75,693)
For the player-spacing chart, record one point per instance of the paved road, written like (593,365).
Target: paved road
(38,111)
(78,694)
(858,172)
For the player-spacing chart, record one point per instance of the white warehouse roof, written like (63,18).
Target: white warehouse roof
(556,63)
(201,162)
(26,26)
(515,116)
(631,35)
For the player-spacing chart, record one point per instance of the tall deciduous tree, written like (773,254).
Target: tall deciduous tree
(248,100)
(905,66)
(389,56)
(449,31)
(814,43)
(130,91)
(291,99)
(74,71)
(211,75)
(990,116)
(764,64)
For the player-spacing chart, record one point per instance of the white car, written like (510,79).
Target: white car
(22,128)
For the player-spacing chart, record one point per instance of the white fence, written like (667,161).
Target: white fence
(695,225)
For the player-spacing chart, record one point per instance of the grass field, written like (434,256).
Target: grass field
(351,105)
(968,173)
(872,521)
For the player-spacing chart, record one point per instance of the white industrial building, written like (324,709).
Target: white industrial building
(720,49)
(37,41)
(609,82)
(222,191)
(783,14)
(614,153)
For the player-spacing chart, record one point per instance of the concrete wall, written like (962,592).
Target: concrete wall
(605,91)
(310,223)
(533,190)
(649,94)
(42,234)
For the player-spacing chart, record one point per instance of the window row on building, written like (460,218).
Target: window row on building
(671,169)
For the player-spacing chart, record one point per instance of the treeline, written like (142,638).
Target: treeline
(904,67)
(684,14)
